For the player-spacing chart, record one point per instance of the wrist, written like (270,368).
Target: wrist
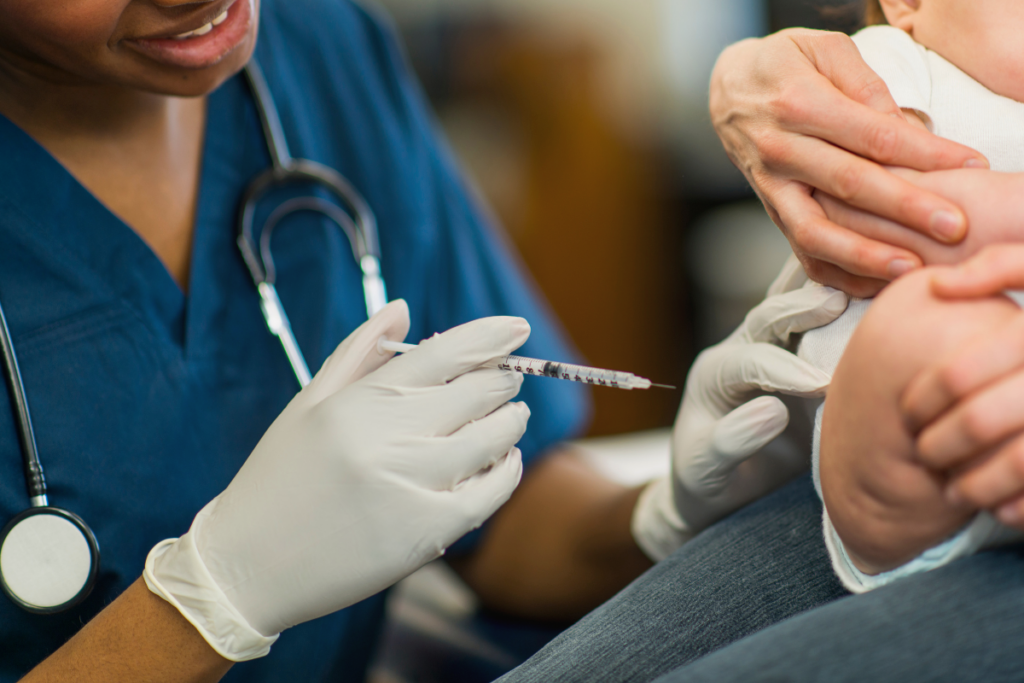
(656,525)
(176,572)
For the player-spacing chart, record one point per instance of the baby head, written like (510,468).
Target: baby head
(980,37)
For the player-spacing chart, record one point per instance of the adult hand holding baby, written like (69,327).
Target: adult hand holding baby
(968,408)
(799,111)
(992,201)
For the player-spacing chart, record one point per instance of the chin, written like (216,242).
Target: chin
(192,83)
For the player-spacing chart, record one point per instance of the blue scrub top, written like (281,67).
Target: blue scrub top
(147,401)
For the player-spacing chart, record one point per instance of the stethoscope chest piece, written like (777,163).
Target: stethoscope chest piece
(49,560)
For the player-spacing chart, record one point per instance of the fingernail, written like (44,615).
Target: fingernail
(976,163)
(900,266)
(947,225)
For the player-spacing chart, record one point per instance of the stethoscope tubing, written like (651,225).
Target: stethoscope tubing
(357,222)
(354,218)
(35,480)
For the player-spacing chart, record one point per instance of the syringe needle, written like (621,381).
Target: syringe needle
(663,386)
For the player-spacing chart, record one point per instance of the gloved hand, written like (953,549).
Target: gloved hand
(370,472)
(718,464)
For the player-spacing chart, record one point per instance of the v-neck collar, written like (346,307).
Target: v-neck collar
(63,216)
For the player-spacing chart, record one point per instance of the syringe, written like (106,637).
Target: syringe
(546,368)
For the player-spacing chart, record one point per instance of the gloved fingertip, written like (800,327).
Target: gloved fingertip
(814,381)
(520,331)
(525,409)
(397,304)
(750,428)
(765,414)
(835,303)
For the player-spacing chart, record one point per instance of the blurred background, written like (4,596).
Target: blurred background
(584,126)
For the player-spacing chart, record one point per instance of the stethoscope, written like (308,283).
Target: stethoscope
(49,557)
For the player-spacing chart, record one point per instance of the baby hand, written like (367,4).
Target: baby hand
(886,504)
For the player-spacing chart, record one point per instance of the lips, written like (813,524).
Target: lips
(203,46)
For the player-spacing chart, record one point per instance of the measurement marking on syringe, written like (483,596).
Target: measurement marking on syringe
(553,369)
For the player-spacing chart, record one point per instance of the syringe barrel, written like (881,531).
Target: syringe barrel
(568,371)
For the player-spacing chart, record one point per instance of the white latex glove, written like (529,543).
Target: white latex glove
(718,461)
(370,472)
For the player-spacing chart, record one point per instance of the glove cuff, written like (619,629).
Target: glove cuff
(656,525)
(175,571)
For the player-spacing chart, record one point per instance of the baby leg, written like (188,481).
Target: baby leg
(886,507)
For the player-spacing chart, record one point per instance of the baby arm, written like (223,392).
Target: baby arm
(884,505)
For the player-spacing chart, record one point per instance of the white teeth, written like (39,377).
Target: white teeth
(203,30)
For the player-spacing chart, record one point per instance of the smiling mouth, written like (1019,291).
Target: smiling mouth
(204,46)
(204,29)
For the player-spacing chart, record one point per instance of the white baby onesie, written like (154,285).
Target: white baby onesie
(957,107)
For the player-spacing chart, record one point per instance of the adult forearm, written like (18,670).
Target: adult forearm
(138,638)
(560,547)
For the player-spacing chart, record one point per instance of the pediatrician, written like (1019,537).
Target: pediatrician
(226,507)
(155,390)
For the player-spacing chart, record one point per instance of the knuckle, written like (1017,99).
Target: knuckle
(870,89)
(952,380)
(790,105)
(815,269)
(847,181)
(906,201)
(865,256)
(927,449)
(810,239)
(883,143)
(976,425)
(774,150)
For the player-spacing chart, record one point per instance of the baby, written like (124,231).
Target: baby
(954,66)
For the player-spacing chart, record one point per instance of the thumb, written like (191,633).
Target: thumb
(358,356)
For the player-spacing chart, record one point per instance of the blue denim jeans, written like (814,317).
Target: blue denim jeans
(961,624)
(754,569)
(754,599)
